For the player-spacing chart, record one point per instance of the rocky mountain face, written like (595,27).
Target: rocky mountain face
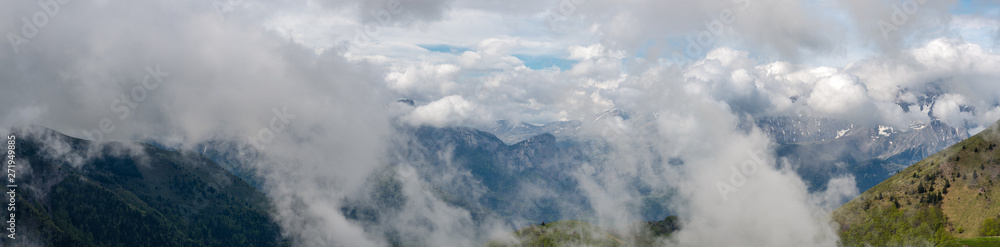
(513,132)
(820,149)
(530,180)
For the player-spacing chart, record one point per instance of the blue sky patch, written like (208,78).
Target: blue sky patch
(445,48)
(545,62)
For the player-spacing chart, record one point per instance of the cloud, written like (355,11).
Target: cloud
(890,25)
(937,68)
(423,79)
(703,25)
(949,110)
(588,52)
(726,183)
(411,11)
(491,55)
(228,79)
(447,111)
(839,95)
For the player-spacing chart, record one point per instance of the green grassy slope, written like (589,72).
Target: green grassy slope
(581,233)
(972,242)
(945,196)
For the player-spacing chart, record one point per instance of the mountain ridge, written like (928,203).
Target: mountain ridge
(945,196)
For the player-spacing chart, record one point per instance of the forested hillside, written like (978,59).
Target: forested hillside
(74,192)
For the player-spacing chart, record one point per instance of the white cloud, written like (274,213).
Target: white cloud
(447,111)
(839,95)
(491,54)
(948,109)
(423,79)
(588,52)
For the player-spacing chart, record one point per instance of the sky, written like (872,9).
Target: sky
(464,48)
(311,84)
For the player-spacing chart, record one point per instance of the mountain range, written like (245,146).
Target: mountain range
(520,173)
(819,148)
